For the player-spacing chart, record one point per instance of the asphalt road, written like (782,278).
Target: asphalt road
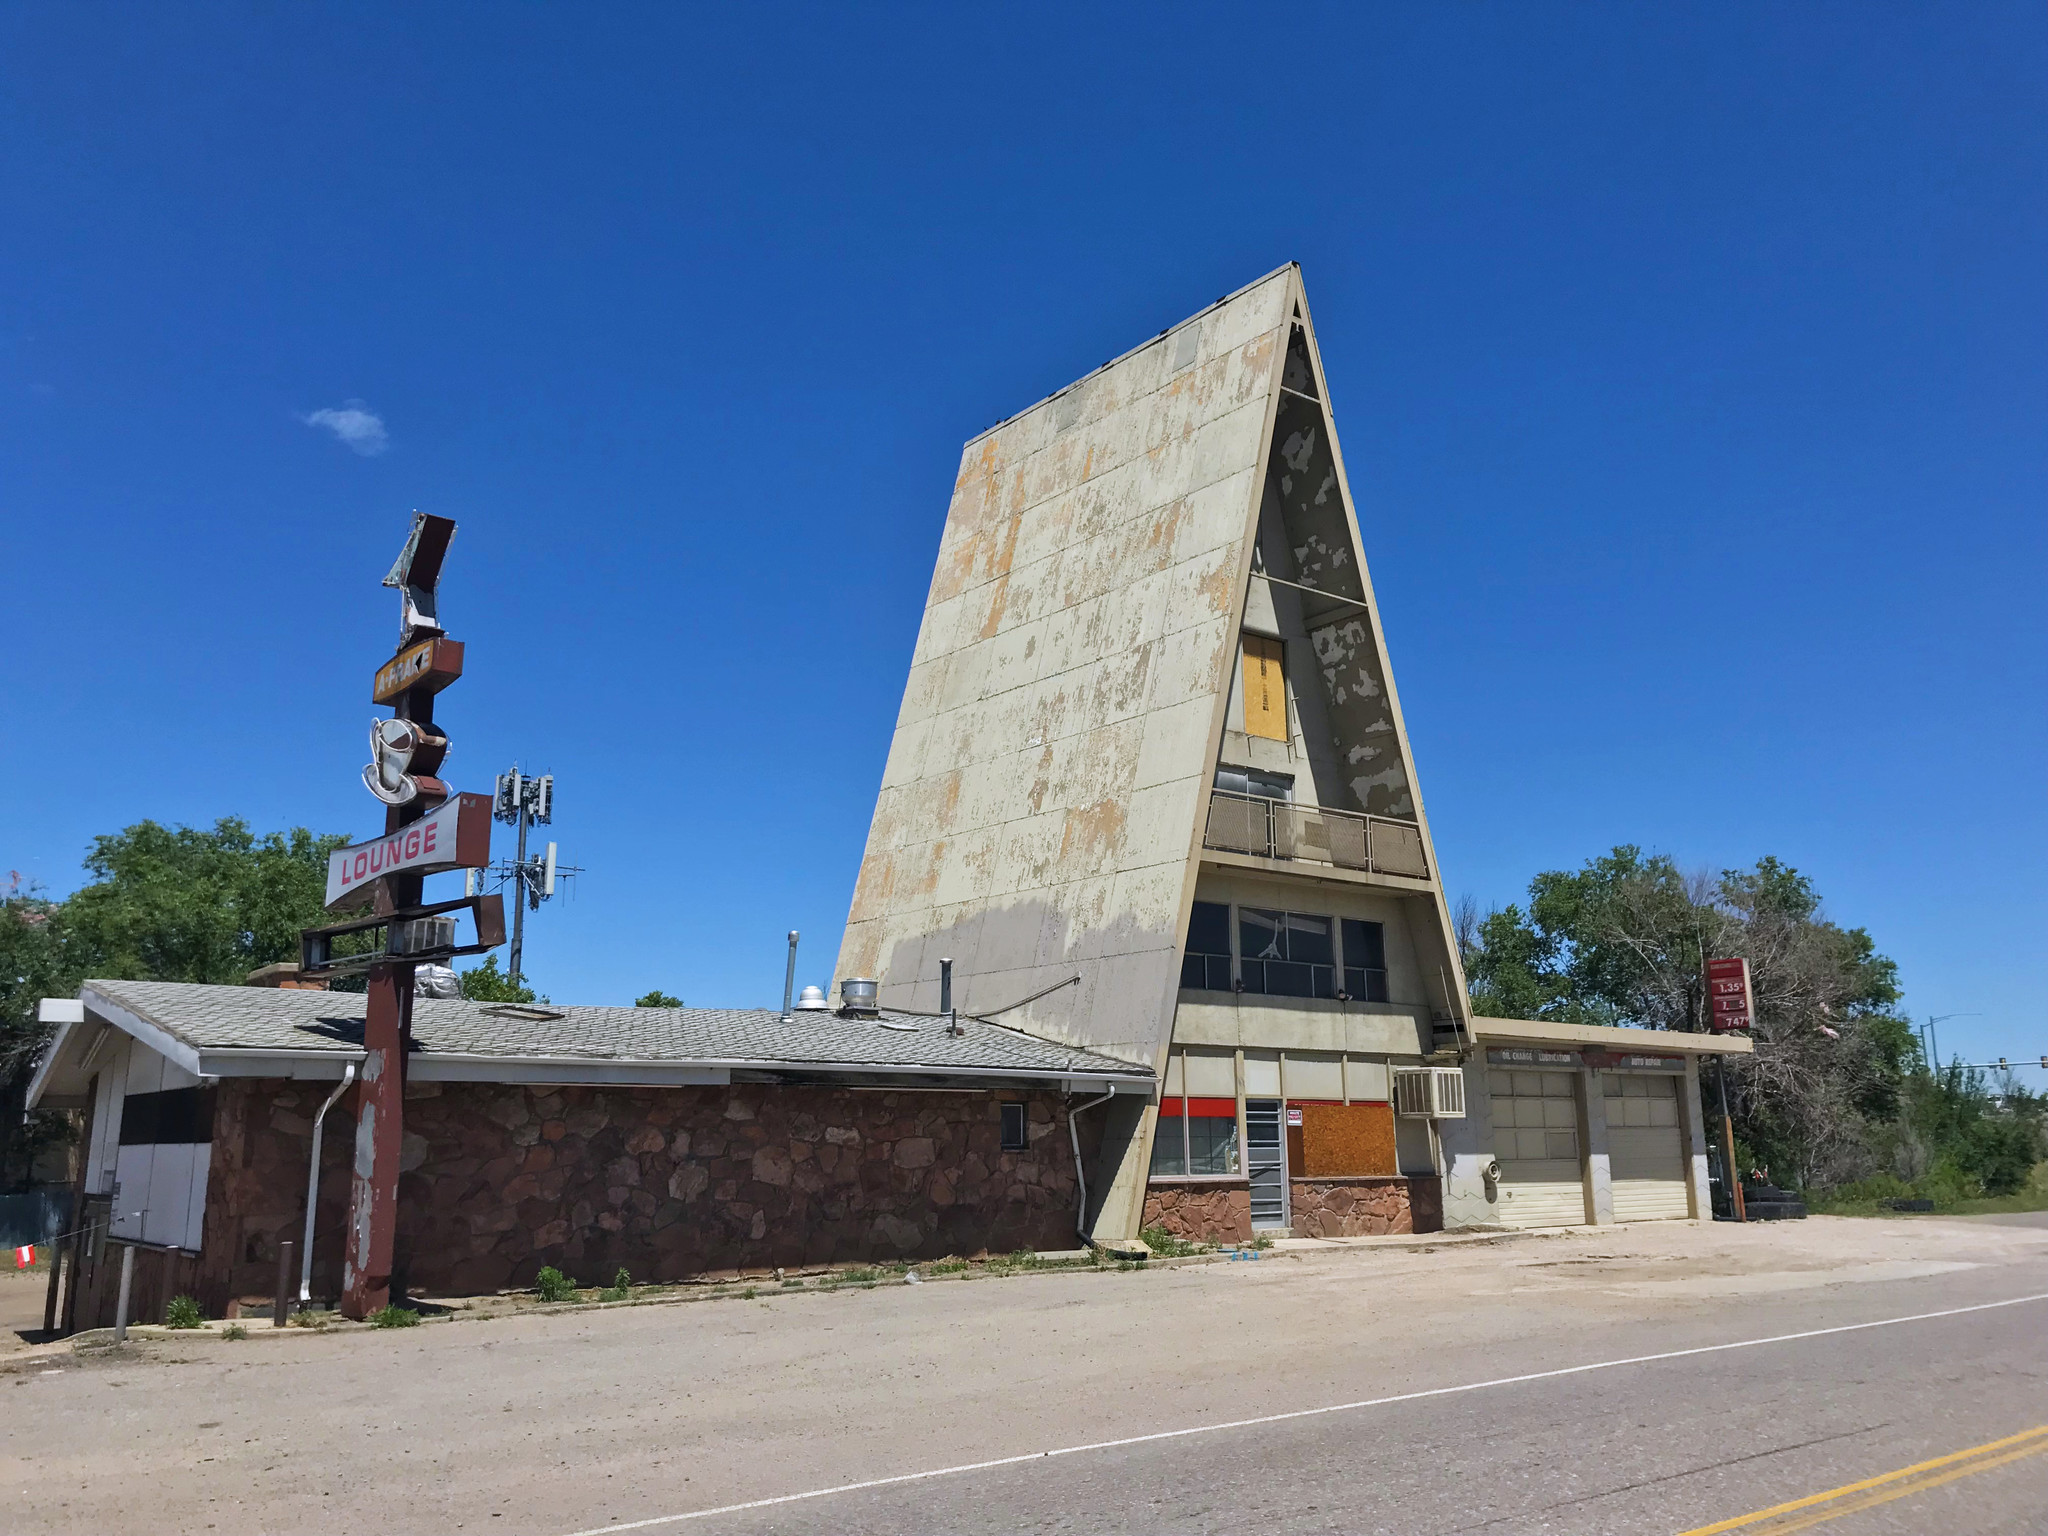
(595,1421)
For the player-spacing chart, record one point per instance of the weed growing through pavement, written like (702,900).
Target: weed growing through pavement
(620,1288)
(234,1331)
(394,1316)
(1167,1245)
(183,1312)
(552,1285)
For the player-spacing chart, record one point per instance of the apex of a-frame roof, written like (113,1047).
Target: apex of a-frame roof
(1042,813)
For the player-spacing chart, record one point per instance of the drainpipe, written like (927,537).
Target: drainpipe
(1080,1174)
(348,1077)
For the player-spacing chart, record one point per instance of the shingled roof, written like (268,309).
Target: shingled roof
(264,1031)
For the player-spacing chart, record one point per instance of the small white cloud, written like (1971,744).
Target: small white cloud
(354,425)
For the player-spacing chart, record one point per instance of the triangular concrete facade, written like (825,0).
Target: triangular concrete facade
(1046,809)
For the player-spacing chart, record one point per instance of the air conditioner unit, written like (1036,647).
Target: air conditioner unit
(1429,1093)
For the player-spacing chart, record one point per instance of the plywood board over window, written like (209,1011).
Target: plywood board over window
(1265,688)
(1346,1140)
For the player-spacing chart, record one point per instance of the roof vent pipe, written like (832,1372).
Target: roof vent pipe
(945,986)
(811,1000)
(789,977)
(857,995)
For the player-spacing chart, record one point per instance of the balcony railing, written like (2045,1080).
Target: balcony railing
(1279,829)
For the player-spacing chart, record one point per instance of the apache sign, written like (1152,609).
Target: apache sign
(432,664)
(1729,997)
(455,836)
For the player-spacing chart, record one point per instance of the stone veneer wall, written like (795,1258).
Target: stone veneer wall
(1349,1207)
(670,1183)
(1208,1210)
(1212,1210)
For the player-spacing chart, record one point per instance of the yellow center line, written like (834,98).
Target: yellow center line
(1873,1491)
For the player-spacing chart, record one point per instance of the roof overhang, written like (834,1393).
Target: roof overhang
(1668,1042)
(318,1063)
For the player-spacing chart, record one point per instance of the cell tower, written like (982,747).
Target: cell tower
(525,800)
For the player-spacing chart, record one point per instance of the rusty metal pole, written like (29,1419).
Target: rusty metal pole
(1728,1143)
(281,1308)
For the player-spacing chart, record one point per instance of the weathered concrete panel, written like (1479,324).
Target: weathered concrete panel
(1056,737)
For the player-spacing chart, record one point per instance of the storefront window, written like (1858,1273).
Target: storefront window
(1195,1136)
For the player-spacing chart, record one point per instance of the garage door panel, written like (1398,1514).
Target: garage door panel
(1645,1149)
(1542,1194)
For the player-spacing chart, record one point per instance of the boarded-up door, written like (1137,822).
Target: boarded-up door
(1265,688)
(1645,1146)
(1536,1138)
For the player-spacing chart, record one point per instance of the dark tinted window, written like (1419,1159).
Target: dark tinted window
(1286,954)
(1206,964)
(180,1115)
(1015,1136)
(1365,960)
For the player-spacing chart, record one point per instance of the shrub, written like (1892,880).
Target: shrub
(620,1288)
(234,1331)
(394,1316)
(183,1312)
(552,1285)
(1168,1246)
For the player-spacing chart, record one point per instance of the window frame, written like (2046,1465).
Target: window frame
(1232,967)
(1004,1142)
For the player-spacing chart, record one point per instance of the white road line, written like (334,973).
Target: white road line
(1282,1418)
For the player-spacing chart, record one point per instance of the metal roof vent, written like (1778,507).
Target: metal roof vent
(811,1000)
(859,997)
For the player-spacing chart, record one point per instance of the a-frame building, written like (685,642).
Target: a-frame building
(1150,770)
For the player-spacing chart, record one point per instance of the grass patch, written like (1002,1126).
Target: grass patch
(862,1276)
(393,1316)
(946,1267)
(1168,1246)
(183,1312)
(552,1285)
(234,1331)
(1952,1196)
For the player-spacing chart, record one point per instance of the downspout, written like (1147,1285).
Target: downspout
(1080,1174)
(348,1077)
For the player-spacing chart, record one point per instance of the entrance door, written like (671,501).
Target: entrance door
(1265,1159)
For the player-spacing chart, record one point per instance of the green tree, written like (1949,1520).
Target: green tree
(487,984)
(658,999)
(165,904)
(33,966)
(181,904)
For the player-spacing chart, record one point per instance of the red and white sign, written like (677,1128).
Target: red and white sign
(25,1258)
(457,835)
(1730,1003)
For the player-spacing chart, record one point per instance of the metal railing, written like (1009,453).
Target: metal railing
(1279,829)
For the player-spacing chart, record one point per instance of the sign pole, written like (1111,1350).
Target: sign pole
(387,1025)
(1728,1142)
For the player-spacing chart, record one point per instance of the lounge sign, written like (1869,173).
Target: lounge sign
(455,836)
(432,664)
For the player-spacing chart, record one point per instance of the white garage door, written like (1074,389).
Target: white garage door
(1645,1147)
(1536,1138)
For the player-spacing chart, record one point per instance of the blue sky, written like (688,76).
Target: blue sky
(1690,364)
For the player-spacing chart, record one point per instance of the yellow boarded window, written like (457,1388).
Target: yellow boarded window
(1265,689)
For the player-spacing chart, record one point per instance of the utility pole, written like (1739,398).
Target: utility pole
(522,801)
(1933,1042)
